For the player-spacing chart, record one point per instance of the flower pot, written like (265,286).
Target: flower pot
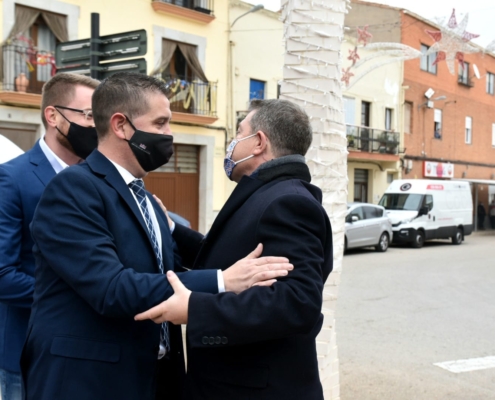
(21,83)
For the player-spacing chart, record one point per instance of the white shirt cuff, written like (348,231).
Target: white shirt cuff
(172,227)
(221,283)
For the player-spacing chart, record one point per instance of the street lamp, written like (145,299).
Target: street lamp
(230,83)
(252,10)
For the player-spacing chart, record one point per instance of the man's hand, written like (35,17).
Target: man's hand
(254,270)
(174,309)
(164,209)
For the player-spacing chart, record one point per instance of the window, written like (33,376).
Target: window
(372,212)
(349,110)
(493,135)
(29,52)
(365,113)
(469,133)
(428,202)
(427,61)
(388,119)
(489,83)
(188,89)
(437,127)
(357,212)
(256,89)
(463,76)
(407,117)
(390,177)
(365,121)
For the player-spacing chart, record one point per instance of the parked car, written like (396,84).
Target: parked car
(367,225)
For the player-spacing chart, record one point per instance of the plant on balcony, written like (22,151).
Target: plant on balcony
(350,140)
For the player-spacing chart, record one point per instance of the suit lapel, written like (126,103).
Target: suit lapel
(100,165)
(41,166)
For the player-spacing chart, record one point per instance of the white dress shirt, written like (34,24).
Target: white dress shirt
(57,164)
(128,178)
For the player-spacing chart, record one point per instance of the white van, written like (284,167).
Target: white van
(422,209)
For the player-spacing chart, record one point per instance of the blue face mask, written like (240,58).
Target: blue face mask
(228,163)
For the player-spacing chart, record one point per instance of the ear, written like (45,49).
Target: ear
(50,114)
(262,144)
(118,126)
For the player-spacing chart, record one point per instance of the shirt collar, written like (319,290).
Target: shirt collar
(56,163)
(126,175)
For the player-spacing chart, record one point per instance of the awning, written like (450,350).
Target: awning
(479,181)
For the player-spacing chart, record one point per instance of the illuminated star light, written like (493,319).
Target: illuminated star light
(451,42)
(353,55)
(364,36)
(346,76)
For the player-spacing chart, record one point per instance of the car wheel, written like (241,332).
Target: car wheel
(457,238)
(383,243)
(419,240)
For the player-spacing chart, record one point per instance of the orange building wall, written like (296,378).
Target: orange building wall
(461,101)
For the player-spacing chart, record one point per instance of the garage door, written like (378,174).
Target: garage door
(177,183)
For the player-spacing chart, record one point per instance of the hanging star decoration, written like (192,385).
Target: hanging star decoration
(451,42)
(346,75)
(363,35)
(353,55)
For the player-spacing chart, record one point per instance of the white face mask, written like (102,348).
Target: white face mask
(228,163)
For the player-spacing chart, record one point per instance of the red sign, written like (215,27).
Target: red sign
(434,187)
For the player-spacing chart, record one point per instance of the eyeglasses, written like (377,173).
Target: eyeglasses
(88,114)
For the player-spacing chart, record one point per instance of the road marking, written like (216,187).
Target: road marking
(471,364)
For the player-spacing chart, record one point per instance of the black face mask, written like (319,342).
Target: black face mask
(83,139)
(152,150)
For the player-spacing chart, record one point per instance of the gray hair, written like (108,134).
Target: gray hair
(124,92)
(285,124)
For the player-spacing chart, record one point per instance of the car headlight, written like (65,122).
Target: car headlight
(406,221)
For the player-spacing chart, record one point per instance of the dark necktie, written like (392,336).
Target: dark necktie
(137,186)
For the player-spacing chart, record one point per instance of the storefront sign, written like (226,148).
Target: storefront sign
(438,170)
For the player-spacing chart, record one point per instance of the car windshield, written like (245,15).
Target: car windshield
(399,201)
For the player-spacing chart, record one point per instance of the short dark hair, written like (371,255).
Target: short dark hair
(60,89)
(124,92)
(285,124)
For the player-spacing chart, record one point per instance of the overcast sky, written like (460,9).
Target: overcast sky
(481,13)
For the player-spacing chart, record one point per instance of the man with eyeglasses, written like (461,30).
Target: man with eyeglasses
(69,138)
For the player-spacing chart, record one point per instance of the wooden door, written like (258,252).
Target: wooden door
(177,183)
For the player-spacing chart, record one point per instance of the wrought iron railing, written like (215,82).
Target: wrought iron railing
(372,140)
(26,68)
(192,96)
(204,6)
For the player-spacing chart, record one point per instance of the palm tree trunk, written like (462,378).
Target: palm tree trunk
(313,31)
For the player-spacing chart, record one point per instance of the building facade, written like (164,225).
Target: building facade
(445,119)
(186,47)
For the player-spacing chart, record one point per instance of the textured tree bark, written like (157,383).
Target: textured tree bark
(313,32)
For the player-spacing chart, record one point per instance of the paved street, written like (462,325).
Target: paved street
(402,311)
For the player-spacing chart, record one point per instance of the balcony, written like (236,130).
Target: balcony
(192,101)
(25,70)
(465,81)
(197,10)
(361,138)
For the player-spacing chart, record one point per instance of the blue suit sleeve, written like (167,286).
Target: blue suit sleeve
(16,287)
(74,239)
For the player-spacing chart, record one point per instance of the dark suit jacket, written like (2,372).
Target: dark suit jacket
(260,344)
(95,270)
(22,180)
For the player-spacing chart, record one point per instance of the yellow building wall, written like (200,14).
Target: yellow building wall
(382,87)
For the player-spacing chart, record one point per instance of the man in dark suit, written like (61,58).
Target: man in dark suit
(259,344)
(22,180)
(101,247)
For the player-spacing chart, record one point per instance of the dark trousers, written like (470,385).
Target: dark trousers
(481,222)
(492,221)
